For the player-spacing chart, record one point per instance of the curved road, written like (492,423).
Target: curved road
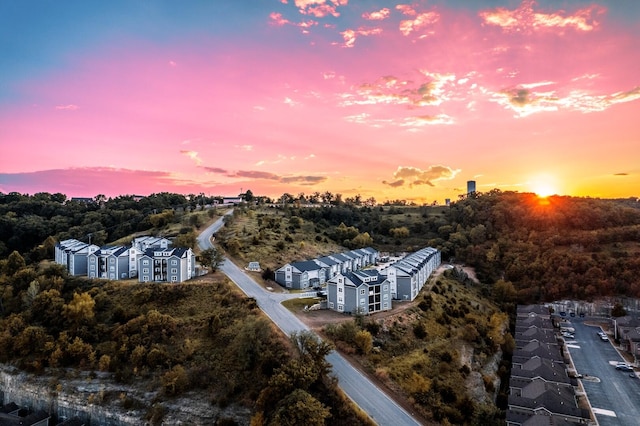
(370,398)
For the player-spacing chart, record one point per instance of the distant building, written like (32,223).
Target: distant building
(447,202)
(73,255)
(471,186)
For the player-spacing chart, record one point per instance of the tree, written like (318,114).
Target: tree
(186,240)
(211,258)
(300,408)
(80,309)
(400,232)
(364,342)
(311,348)
(618,310)
(248,196)
(14,263)
(31,293)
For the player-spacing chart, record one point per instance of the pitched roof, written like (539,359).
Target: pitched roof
(306,265)
(327,260)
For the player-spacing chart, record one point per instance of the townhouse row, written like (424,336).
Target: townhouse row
(541,390)
(627,330)
(150,259)
(316,272)
(372,290)
(350,288)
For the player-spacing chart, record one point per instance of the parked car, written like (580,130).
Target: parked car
(604,338)
(624,367)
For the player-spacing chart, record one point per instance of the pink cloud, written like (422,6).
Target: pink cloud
(420,21)
(68,107)
(350,36)
(378,15)
(524,18)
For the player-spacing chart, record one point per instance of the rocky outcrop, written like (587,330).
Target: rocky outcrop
(98,400)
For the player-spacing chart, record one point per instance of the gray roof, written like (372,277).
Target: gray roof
(306,265)
(327,260)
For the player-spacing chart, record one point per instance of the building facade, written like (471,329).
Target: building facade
(166,265)
(409,275)
(364,292)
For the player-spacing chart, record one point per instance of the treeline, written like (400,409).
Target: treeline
(203,337)
(26,221)
(547,249)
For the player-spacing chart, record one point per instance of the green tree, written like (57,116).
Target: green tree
(14,263)
(400,232)
(186,240)
(300,408)
(211,258)
(313,349)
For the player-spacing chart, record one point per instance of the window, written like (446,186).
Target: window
(362,292)
(145,279)
(112,260)
(145,271)
(339,289)
(362,302)
(93,260)
(92,267)
(341,308)
(385,297)
(174,279)
(385,288)
(145,262)
(174,262)
(385,304)
(174,270)
(330,305)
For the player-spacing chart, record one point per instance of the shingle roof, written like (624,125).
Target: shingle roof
(306,265)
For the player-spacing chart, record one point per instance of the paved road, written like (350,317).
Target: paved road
(370,398)
(612,393)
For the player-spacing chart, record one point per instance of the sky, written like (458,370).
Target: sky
(385,99)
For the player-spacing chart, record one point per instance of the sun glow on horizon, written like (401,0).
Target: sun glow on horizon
(544,186)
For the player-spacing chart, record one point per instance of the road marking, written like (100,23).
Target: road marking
(604,412)
(573,346)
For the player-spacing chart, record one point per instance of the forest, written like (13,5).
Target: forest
(524,249)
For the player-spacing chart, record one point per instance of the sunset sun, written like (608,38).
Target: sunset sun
(544,186)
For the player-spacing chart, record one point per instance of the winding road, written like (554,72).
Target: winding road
(362,391)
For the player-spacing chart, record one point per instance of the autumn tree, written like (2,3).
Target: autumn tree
(80,309)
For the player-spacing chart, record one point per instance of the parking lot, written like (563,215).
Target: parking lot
(614,393)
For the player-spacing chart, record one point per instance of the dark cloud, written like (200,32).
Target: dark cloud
(303,180)
(215,170)
(519,97)
(253,174)
(394,184)
(621,174)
